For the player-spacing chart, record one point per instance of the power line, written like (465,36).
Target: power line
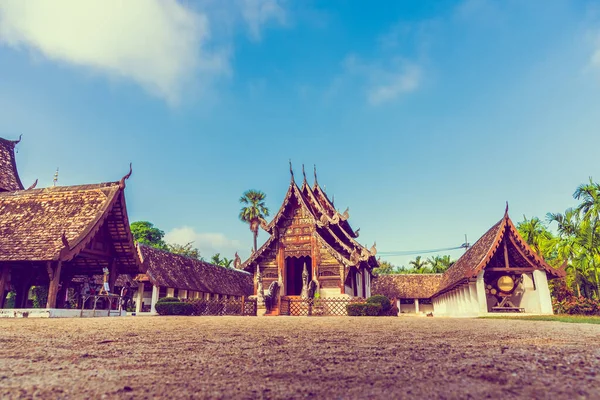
(413,252)
(465,246)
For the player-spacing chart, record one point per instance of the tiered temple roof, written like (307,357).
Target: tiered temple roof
(332,228)
(180,272)
(501,243)
(9,177)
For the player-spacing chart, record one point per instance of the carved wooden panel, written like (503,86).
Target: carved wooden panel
(329,283)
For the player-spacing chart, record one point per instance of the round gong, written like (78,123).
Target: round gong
(505,283)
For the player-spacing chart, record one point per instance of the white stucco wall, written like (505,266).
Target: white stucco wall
(541,286)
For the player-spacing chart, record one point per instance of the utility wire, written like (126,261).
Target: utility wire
(413,252)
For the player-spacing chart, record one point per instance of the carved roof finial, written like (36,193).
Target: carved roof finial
(19,140)
(123,179)
(303,173)
(64,240)
(315,165)
(55,180)
(291,171)
(33,185)
(506,211)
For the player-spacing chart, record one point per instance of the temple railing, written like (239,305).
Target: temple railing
(243,307)
(296,306)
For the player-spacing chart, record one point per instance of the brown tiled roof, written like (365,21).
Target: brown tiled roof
(406,286)
(180,272)
(9,177)
(32,222)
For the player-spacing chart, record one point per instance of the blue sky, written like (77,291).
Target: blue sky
(423,117)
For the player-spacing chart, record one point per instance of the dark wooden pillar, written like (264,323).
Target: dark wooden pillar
(53,269)
(4,271)
(363,279)
(62,293)
(112,277)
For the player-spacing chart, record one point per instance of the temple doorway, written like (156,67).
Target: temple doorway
(293,274)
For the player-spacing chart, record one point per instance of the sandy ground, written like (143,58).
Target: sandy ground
(295,357)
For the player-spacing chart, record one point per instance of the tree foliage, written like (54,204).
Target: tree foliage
(253,210)
(187,250)
(577,241)
(223,262)
(433,265)
(146,233)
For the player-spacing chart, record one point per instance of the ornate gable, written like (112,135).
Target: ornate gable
(501,248)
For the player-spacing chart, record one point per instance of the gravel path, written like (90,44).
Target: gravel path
(295,357)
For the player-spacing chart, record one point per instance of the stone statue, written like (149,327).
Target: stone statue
(237,261)
(260,293)
(312,289)
(271,296)
(304,293)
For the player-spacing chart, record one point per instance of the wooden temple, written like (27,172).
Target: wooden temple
(499,273)
(309,236)
(51,236)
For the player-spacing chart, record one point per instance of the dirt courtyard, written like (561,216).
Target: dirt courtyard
(296,357)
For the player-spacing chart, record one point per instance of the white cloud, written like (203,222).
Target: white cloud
(161,45)
(391,84)
(207,243)
(384,80)
(257,13)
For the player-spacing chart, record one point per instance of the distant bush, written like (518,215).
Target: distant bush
(174,308)
(383,301)
(372,309)
(356,309)
(577,306)
(168,300)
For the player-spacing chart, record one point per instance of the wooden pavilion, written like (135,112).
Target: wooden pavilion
(309,236)
(50,236)
(499,273)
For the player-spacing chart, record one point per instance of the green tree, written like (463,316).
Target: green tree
(385,268)
(439,264)
(535,233)
(223,262)
(146,233)
(589,213)
(419,266)
(253,211)
(578,239)
(187,250)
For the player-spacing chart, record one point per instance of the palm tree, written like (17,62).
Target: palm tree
(419,266)
(439,264)
(535,234)
(253,211)
(589,212)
